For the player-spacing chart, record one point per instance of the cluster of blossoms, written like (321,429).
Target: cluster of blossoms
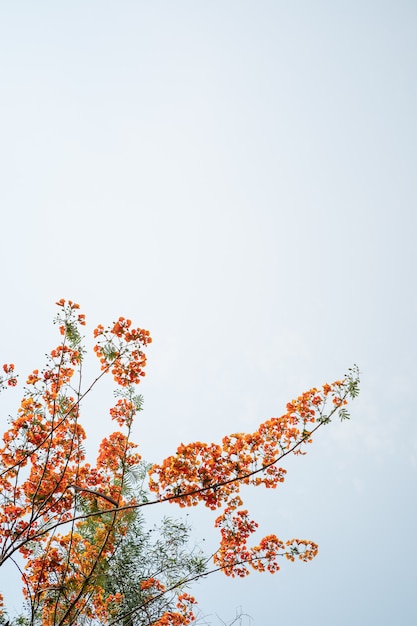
(119,349)
(62,571)
(213,474)
(10,378)
(183,616)
(185,603)
(66,516)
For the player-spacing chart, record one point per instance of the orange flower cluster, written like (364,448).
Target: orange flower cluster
(10,379)
(152,583)
(114,451)
(234,556)
(119,349)
(72,306)
(182,617)
(213,474)
(62,572)
(123,412)
(46,484)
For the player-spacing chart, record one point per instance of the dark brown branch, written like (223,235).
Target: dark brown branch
(96,493)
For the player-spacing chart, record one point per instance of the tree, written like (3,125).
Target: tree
(76,531)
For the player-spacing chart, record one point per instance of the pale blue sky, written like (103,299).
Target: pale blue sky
(238,177)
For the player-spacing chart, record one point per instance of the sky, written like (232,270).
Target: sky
(239,178)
